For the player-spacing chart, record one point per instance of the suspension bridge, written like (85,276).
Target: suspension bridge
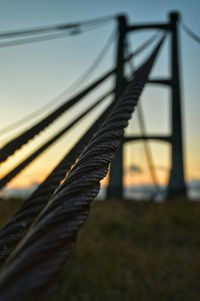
(41,236)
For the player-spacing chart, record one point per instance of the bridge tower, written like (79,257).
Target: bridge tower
(176,184)
(115,188)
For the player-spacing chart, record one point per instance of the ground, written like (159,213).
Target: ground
(134,251)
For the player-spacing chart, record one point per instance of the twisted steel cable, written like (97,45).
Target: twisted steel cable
(18,225)
(12,146)
(22,165)
(12,232)
(31,269)
(15,229)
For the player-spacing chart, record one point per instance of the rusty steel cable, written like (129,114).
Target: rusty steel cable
(12,146)
(31,269)
(36,153)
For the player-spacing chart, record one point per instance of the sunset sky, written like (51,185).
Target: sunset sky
(33,74)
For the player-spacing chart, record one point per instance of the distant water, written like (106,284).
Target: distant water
(137,193)
(148,192)
(143,192)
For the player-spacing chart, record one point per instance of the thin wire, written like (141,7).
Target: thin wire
(190,33)
(146,145)
(141,48)
(147,150)
(136,52)
(48,37)
(34,39)
(50,28)
(146,43)
(132,152)
(82,78)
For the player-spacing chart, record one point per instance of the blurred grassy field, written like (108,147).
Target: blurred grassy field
(134,251)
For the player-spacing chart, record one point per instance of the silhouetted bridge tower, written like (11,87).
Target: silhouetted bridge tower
(176,185)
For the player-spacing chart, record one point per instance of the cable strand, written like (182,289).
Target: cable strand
(31,269)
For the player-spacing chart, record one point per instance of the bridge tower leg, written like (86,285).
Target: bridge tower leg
(115,187)
(176,186)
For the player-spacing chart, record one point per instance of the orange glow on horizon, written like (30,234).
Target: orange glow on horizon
(36,178)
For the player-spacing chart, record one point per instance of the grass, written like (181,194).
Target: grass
(135,251)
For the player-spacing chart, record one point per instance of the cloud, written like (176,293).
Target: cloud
(134,168)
